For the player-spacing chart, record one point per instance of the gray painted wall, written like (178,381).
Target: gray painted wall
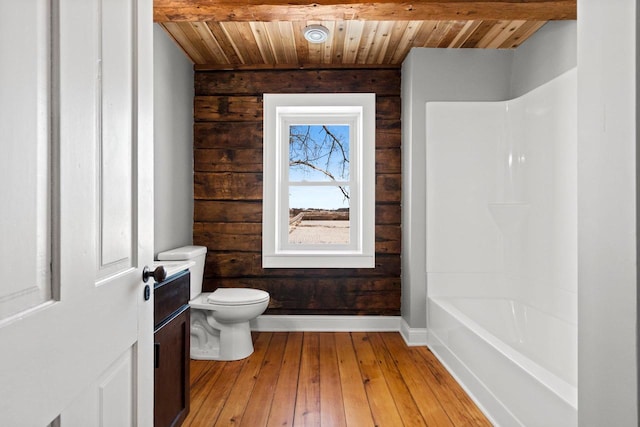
(608,92)
(607,213)
(461,75)
(435,75)
(173,144)
(550,52)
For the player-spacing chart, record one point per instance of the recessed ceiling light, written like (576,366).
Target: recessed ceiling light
(316,33)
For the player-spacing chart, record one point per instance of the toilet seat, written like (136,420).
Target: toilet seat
(237,296)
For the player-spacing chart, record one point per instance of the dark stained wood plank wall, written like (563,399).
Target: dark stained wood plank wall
(228,191)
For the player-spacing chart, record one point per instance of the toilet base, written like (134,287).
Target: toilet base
(211,340)
(214,354)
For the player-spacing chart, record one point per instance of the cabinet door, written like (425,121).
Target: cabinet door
(172,371)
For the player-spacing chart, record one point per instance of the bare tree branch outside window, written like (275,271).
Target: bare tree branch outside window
(319,154)
(322,149)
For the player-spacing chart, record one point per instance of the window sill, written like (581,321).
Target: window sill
(308,260)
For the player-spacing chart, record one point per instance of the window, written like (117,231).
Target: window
(319,181)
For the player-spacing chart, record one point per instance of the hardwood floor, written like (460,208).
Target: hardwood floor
(329,379)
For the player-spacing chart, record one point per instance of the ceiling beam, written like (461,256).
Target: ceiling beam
(380,10)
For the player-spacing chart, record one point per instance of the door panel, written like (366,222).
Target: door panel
(108,401)
(116,105)
(25,217)
(87,353)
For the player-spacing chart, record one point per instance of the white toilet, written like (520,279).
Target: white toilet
(220,319)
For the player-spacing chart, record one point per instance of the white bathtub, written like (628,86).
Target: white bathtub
(518,363)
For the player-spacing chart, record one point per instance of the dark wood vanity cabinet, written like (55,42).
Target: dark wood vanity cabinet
(171,341)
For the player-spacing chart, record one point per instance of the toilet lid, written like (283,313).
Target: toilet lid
(237,296)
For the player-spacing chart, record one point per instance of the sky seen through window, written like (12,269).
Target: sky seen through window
(318,155)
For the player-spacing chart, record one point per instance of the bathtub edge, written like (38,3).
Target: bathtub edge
(484,399)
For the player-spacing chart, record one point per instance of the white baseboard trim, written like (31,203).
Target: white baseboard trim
(413,336)
(312,323)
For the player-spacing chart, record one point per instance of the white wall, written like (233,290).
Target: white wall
(461,75)
(173,143)
(435,75)
(607,213)
(465,253)
(502,198)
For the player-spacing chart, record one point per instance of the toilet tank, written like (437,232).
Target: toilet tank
(198,254)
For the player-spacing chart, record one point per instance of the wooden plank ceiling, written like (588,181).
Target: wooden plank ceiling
(255,34)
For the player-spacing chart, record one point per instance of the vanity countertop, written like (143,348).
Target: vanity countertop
(173,267)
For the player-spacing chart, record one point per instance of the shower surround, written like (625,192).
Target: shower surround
(502,251)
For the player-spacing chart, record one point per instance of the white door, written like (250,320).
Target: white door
(76,212)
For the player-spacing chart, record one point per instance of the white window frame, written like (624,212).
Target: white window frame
(282,110)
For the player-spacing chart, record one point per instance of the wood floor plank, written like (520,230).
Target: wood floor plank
(207,403)
(362,379)
(307,411)
(198,369)
(284,396)
(239,396)
(427,401)
(457,404)
(383,408)
(331,402)
(261,399)
(201,384)
(356,404)
(407,407)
